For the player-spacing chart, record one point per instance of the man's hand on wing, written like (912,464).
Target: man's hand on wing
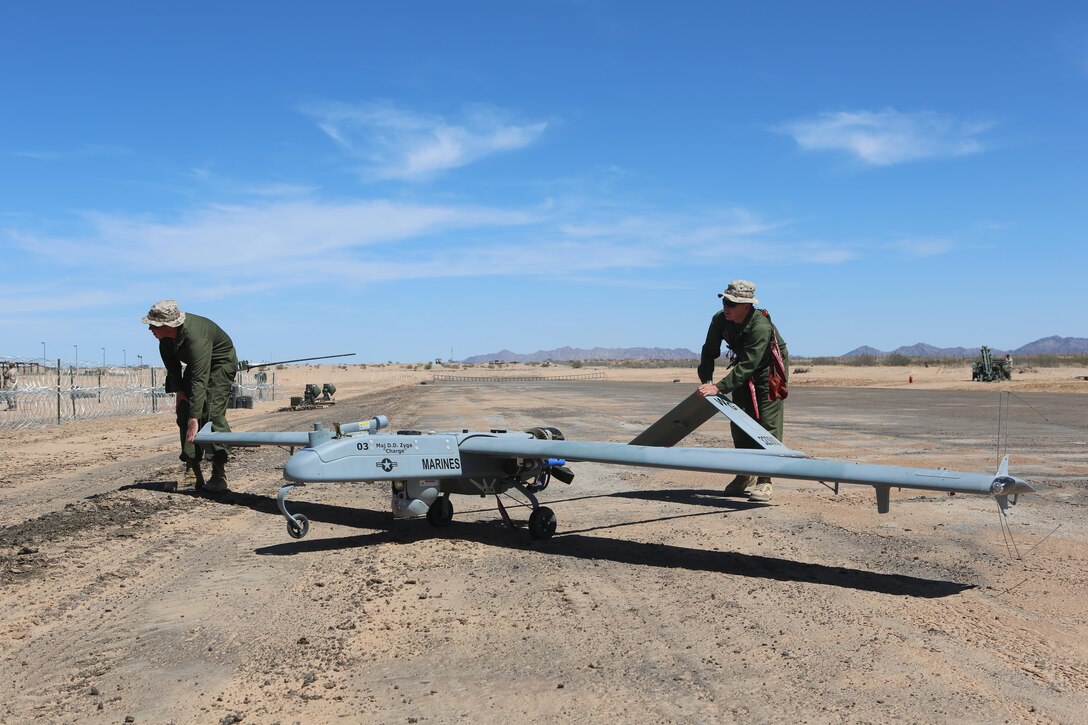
(708,389)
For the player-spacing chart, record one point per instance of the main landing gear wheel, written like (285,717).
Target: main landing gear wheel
(441,512)
(542,523)
(298,527)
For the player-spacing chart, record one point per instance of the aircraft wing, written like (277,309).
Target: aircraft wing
(695,410)
(233,438)
(790,464)
(320,434)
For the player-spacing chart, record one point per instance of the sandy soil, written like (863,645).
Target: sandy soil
(658,600)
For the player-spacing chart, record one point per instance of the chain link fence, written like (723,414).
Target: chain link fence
(48,395)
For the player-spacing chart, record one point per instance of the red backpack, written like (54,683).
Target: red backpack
(776,380)
(779,390)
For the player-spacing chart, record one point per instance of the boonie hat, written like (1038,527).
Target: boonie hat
(740,291)
(164,313)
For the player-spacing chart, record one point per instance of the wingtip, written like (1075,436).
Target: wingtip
(1009,485)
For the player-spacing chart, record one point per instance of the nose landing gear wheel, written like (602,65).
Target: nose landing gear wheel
(299,529)
(441,512)
(542,523)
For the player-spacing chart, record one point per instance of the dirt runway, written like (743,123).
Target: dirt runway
(658,600)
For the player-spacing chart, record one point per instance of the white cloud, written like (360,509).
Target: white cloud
(706,236)
(226,186)
(219,251)
(55,297)
(678,230)
(88,151)
(884,138)
(275,232)
(922,246)
(399,144)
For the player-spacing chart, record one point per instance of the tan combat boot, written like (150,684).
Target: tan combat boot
(193,475)
(738,486)
(218,482)
(761,493)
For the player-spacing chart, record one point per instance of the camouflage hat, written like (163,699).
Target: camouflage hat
(740,291)
(164,312)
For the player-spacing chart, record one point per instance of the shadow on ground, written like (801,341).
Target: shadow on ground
(577,544)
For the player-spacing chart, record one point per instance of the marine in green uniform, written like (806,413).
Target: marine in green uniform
(8,382)
(748,333)
(202,386)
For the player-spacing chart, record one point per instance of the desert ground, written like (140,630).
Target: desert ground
(658,599)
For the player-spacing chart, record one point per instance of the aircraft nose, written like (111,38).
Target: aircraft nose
(303,466)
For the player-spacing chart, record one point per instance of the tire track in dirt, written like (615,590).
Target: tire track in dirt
(658,600)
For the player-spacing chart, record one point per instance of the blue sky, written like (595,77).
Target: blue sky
(403,180)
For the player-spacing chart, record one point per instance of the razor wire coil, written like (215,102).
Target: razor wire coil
(38,399)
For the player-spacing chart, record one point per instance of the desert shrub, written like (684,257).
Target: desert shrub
(862,361)
(1051,360)
(897,358)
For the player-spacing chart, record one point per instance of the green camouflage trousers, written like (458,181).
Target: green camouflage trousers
(215,410)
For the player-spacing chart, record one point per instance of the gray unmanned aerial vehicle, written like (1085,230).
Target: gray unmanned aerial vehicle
(425,469)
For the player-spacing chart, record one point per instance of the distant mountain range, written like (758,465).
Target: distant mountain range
(1052,345)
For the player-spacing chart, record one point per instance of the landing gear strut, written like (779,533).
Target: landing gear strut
(297,524)
(441,512)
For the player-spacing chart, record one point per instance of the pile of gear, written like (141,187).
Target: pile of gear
(313,397)
(237,400)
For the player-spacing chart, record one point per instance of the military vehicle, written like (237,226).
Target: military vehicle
(988,370)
